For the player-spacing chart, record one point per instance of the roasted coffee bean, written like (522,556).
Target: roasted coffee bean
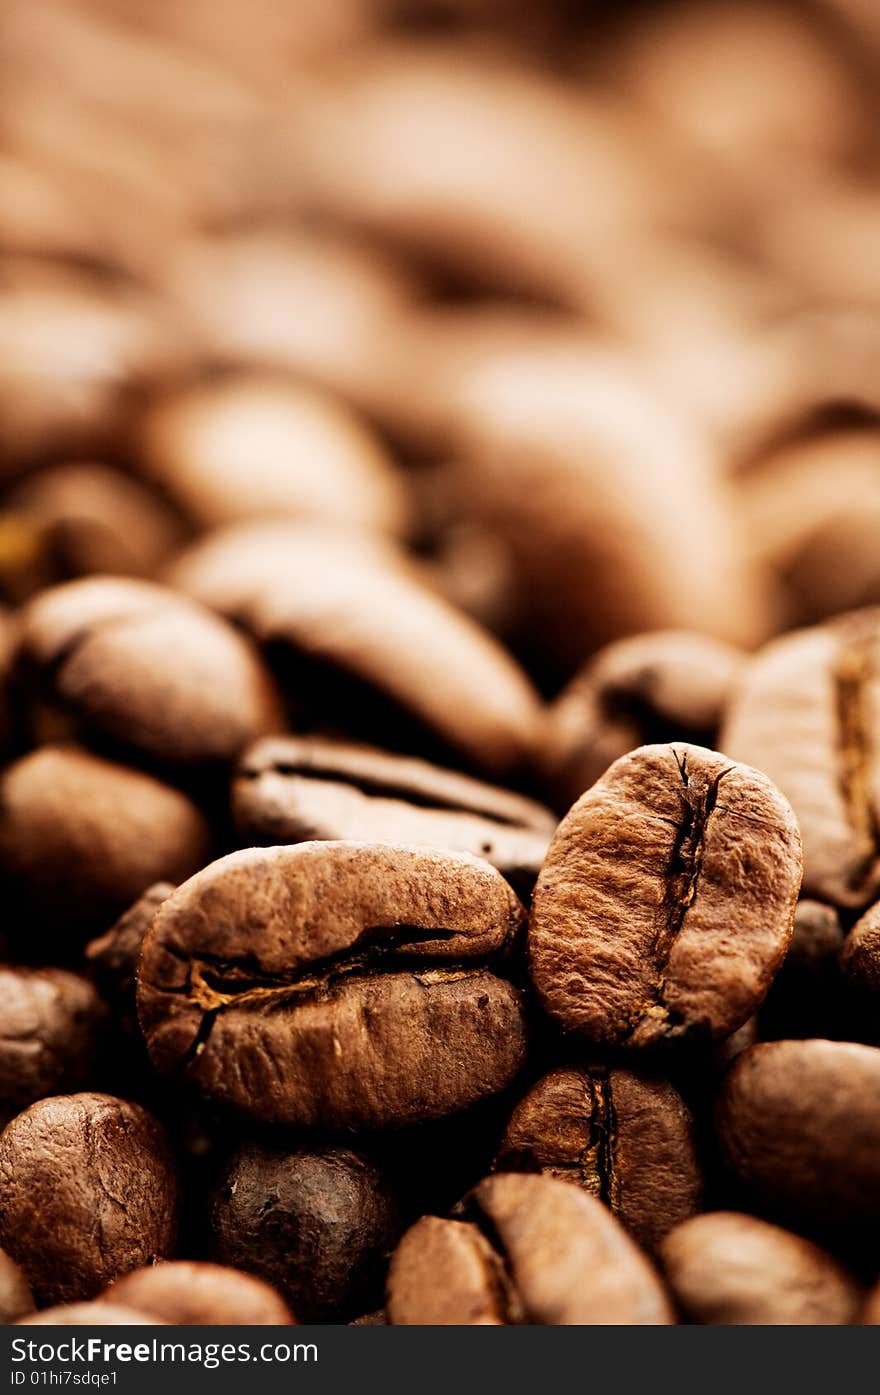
(87,1191)
(81,837)
(113,957)
(664,686)
(806,713)
(198,1295)
(860,955)
(627,1139)
(89,1315)
(289,789)
(870,1314)
(317,1226)
(252,446)
(805,997)
(136,666)
(731,1268)
(531,1250)
(345,620)
(342,985)
(666,901)
(16,1298)
(799,1126)
(376,1319)
(51,1026)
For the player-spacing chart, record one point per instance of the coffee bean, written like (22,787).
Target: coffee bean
(336,984)
(87,1192)
(51,1026)
(81,837)
(289,789)
(252,446)
(729,1268)
(870,1314)
(132,664)
(625,1138)
(799,1126)
(113,957)
(344,619)
(317,1226)
(666,901)
(89,1315)
(805,713)
(860,954)
(531,1250)
(805,997)
(16,1298)
(664,686)
(198,1295)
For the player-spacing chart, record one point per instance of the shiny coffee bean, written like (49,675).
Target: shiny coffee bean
(666,901)
(627,1139)
(528,1250)
(341,985)
(289,789)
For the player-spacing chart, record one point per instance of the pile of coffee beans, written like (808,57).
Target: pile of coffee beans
(439,662)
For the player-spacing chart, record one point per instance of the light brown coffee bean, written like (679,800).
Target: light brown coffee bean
(532,1250)
(627,1139)
(799,1125)
(341,985)
(806,713)
(666,901)
(196,1294)
(729,1268)
(89,1315)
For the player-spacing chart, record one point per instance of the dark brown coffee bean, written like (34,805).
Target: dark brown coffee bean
(377,1319)
(318,1226)
(860,955)
(666,901)
(89,1315)
(87,1192)
(731,1268)
(627,1139)
(289,789)
(335,984)
(345,620)
(799,1125)
(262,446)
(16,1298)
(805,997)
(664,686)
(806,713)
(114,956)
(81,837)
(870,1315)
(198,1295)
(533,1250)
(137,666)
(51,1025)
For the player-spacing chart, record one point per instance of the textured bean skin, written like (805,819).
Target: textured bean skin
(811,1152)
(51,1024)
(807,712)
(198,1295)
(625,1138)
(532,1250)
(88,1190)
(735,1269)
(666,901)
(335,984)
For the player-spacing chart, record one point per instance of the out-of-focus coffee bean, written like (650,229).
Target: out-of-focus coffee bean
(627,1139)
(805,997)
(666,902)
(799,1126)
(81,837)
(16,1298)
(195,1294)
(528,1250)
(113,956)
(89,1315)
(806,713)
(376,961)
(258,446)
(292,789)
(88,1191)
(666,686)
(735,1269)
(134,665)
(344,618)
(51,1026)
(318,1226)
(870,1314)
